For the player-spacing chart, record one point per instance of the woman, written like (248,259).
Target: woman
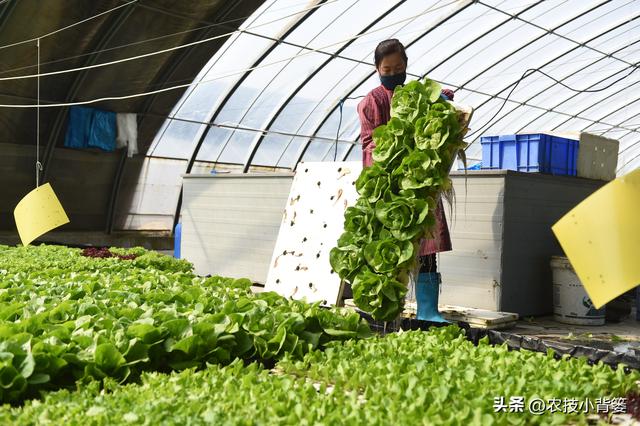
(375,110)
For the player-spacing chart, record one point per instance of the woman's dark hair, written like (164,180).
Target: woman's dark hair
(388,47)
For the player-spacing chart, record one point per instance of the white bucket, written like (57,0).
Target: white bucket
(571,303)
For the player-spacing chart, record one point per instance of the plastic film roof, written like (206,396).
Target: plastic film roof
(270,96)
(267,91)
(97,39)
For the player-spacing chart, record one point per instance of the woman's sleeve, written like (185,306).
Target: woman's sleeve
(369,117)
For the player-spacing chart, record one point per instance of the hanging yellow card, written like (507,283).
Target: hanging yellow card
(601,238)
(37,213)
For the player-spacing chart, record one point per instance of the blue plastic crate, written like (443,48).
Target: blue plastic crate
(530,153)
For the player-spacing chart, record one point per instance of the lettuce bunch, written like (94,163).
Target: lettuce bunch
(413,155)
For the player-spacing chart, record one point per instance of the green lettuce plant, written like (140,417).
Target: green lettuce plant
(379,294)
(413,100)
(373,183)
(388,254)
(403,216)
(360,221)
(347,260)
(420,169)
(392,140)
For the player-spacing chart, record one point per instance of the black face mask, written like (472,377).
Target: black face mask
(391,81)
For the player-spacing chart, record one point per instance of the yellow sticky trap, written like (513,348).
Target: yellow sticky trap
(601,238)
(37,213)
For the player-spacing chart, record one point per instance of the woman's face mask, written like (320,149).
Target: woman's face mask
(391,81)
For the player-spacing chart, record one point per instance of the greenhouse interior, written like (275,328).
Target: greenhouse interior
(319,212)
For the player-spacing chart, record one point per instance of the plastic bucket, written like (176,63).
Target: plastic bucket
(571,303)
(637,303)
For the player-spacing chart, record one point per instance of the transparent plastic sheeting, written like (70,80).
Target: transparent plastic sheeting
(479,49)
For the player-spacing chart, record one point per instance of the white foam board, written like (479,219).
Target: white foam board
(312,222)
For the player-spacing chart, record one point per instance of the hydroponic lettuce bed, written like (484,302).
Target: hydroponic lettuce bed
(66,319)
(142,340)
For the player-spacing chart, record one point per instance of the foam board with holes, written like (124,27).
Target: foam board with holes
(312,222)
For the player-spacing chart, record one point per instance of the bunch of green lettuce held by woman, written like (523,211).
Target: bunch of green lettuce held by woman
(413,154)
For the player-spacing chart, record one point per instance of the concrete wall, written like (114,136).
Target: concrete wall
(533,203)
(148,194)
(471,273)
(230,223)
(502,239)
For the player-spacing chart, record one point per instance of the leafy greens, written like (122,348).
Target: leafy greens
(413,155)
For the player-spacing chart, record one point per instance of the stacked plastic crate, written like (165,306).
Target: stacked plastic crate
(530,153)
(581,154)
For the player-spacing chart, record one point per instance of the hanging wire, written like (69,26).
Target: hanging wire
(162,51)
(149,40)
(341,105)
(38,164)
(181,86)
(239,127)
(531,71)
(526,74)
(194,43)
(37,39)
